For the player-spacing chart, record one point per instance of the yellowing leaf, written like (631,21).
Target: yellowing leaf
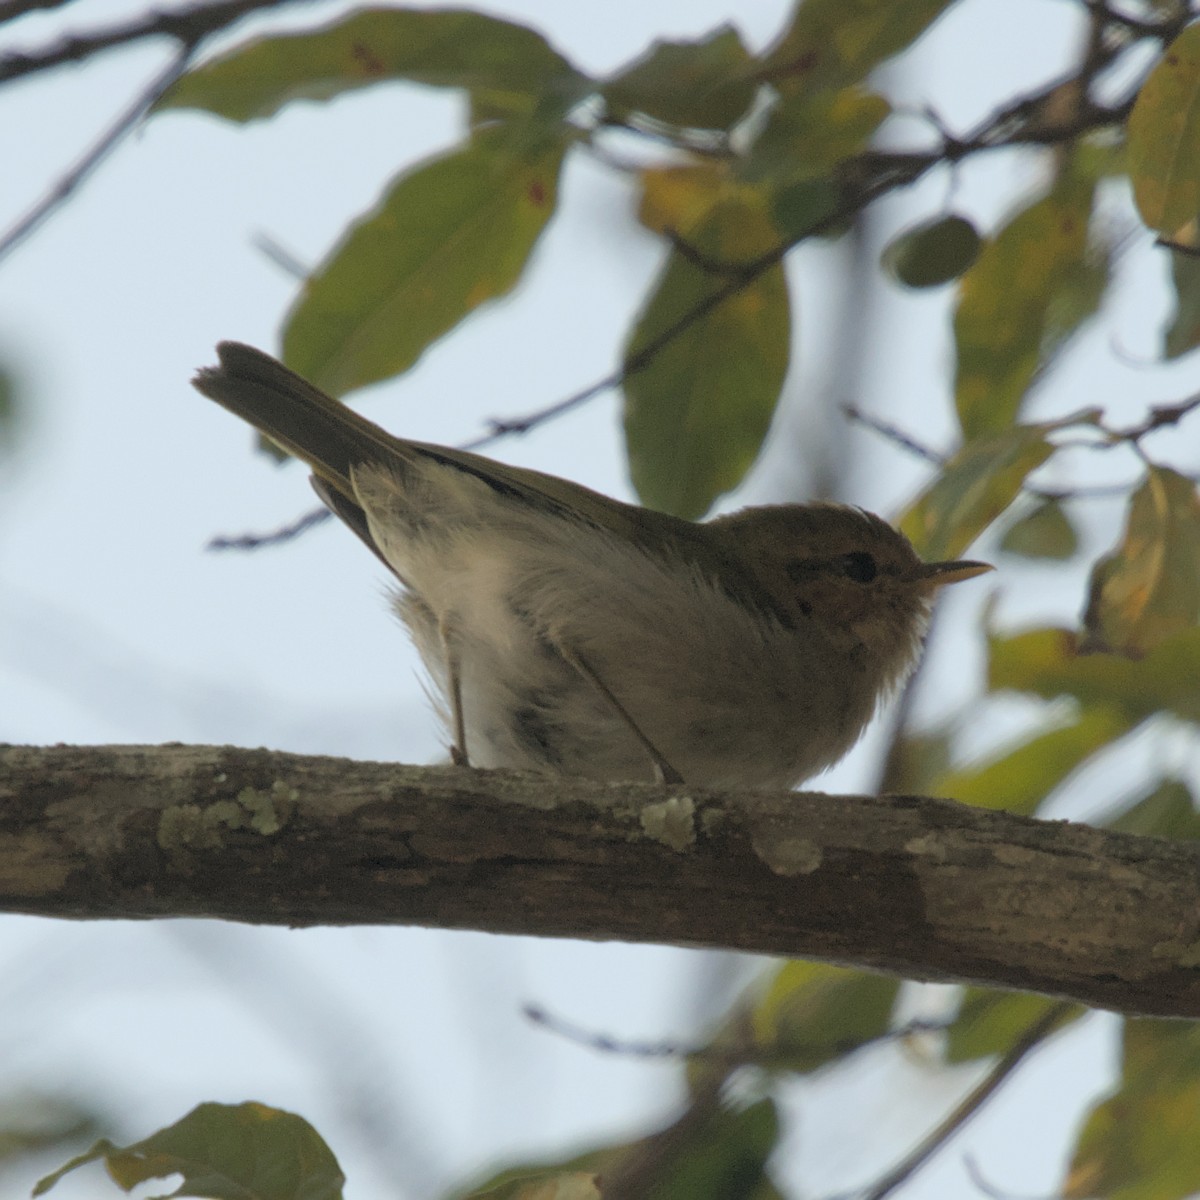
(973,489)
(1143,1142)
(1021,778)
(704,84)
(1005,304)
(697,412)
(1149,588)
(676,199)
(448,235)
(814,1013)
(1047,663)
(1164,139)
(836,42)
(445,48)
(225,1152)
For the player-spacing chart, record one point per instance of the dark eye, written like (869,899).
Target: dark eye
(859,566)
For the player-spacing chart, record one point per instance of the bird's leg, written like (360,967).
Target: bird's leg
(458,749)
(663,771)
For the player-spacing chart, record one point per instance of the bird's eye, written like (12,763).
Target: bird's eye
(860,566)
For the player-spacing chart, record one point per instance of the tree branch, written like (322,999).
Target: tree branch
(188,26)
(924,888)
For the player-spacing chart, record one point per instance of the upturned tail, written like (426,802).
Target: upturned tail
(302,419)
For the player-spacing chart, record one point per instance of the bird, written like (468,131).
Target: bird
(568,632)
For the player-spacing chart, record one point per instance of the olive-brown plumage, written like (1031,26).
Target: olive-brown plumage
(570,632)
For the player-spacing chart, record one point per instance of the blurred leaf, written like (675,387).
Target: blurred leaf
(440,47)
(703,84)
(933,252)
(1164,139)
(814,1013)
(696,415)
(1002,324)
(1167,811)
(35,1123)
(1047,663)
(677,199)
(807,204)
(1143,1142)
(1046,532)
(224,1152)
(808,134)
(916,763)
(1019,779)
(448,235)
(9,418)
(724,1159)
(1081,289)
(836,42)
(548,1184)
(990,1022)
(973,489)
(1183,333)
(1149,588)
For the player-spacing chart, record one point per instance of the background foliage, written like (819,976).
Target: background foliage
(740,158)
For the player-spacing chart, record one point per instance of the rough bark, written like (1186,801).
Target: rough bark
(919,887)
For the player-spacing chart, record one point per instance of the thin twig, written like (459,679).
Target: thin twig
(188,26)
(1033,1037)
(108,141)
(761,1054)
(256,541)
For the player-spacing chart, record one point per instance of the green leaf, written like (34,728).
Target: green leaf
(549,1183)
(1149,587)
(813,1014)
(1020,778)
(1046,532)
(933,252)
(724,1159)
(697,412)
(9,412)
(973,489)
(1183,333)
(990,1022)
(1169,810)
(440,47)
(448,235)
(809,134)
(1003,324)
(704,84)
(1143,1142)
(831,43)
(1047,663)
(1164,140)
(224,1152)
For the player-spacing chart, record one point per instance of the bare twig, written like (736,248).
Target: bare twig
(108,141)
(188,26)
(1033,1037)
(760,1054)
(10,10)
(257,541)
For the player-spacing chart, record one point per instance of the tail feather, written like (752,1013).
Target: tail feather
(302,419)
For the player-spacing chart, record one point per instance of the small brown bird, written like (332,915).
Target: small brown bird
(566,631)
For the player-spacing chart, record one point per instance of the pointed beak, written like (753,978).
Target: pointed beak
(931,576)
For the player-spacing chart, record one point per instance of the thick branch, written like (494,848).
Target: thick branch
(924,888)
